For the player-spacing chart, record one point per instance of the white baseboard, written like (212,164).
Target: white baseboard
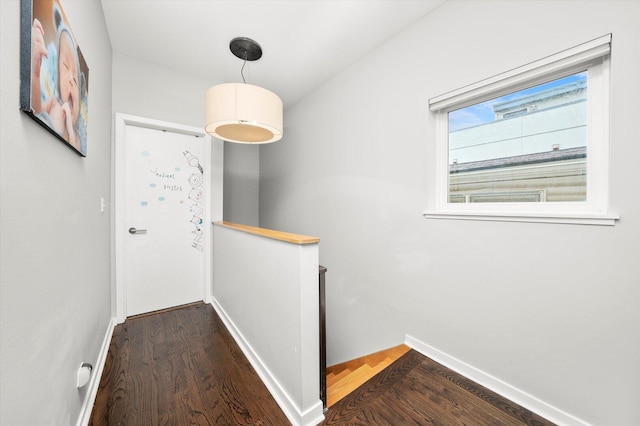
(94,383)
(310,417)
(504,389)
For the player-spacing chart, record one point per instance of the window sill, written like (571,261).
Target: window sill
(569,218)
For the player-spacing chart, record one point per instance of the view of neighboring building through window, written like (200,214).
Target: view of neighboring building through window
(526,146)
(530,144)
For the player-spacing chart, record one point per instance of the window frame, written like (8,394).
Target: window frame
(594,57)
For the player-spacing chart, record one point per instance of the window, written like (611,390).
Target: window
(528,145)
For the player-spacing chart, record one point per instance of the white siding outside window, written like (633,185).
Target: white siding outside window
(542,155)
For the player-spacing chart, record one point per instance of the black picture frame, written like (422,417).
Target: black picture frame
(54,76)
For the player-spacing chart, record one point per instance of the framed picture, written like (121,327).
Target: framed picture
(54,77)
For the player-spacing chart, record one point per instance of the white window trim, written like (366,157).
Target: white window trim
(593,55)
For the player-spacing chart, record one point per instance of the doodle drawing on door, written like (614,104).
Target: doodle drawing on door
(164,219)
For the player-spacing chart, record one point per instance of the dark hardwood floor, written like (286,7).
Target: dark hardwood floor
(415,390)
(182,367)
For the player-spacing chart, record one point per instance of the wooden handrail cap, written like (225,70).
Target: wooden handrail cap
(270,233)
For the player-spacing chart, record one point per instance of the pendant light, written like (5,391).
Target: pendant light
(241,112)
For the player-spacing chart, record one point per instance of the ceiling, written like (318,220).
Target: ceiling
(304,42)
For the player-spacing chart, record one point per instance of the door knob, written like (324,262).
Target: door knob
(137,231)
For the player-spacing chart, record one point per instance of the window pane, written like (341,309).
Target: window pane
(527,146)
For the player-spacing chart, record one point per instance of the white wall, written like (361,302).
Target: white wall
(550,309)
(148,90)
(241,181)
(54,260)
(266,291)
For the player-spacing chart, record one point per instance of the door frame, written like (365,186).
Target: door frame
(120,227)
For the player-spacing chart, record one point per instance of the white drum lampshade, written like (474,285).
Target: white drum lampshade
(243,113)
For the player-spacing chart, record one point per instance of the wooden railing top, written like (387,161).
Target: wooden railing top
(270,233)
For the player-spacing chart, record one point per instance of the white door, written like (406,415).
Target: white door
(162,184)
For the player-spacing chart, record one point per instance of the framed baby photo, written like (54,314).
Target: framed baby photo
(54,77)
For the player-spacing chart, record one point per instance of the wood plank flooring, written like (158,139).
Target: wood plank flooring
(180,367)
(416,390)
